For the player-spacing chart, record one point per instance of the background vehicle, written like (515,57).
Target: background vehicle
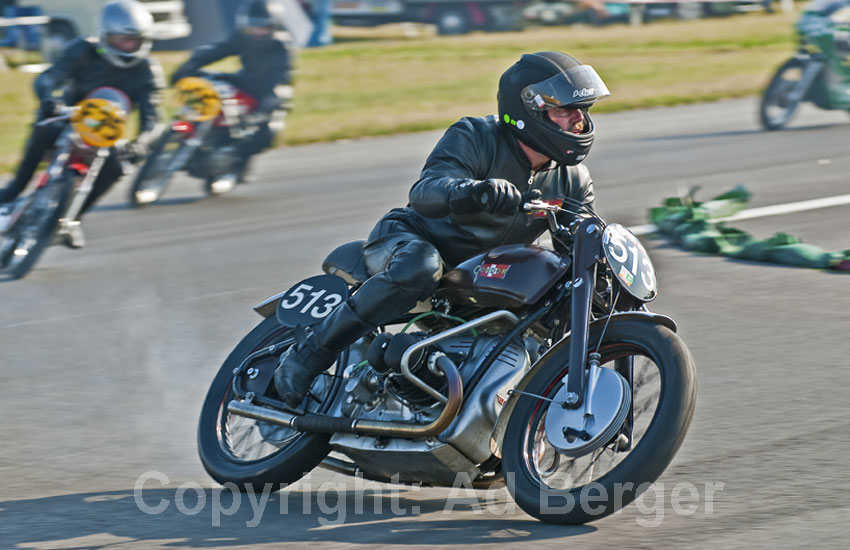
(450,16)
(213,116)
(543,367)
(70,19)
(819,72)
(95,125)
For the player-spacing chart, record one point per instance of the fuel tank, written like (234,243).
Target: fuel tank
(509,276)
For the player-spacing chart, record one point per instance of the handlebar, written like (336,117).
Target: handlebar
(65,113)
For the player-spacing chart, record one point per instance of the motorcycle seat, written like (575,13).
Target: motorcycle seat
(346,261)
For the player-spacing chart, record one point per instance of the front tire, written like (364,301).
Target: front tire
(776,109)
(250,453)
(558,489)
(24,244)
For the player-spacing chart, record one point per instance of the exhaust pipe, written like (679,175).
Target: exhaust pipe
(316,423)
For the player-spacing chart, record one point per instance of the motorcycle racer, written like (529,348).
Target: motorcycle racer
(266,55)
(118,58)
(466,201)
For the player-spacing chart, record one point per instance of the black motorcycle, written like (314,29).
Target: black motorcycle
(543,368)
(35,220)
(202,139)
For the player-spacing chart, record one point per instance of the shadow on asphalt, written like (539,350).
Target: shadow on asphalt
(96,521)
(176,201)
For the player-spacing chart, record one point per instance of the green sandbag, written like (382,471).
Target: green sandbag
(727,204)
(703,241)
(683,230)
(758,250)
(690,224)
(800,255)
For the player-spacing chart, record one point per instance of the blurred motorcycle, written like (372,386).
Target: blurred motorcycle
(540,368)
(93,126)
(819,72)
(202,139)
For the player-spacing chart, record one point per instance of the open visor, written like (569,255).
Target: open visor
(576,86)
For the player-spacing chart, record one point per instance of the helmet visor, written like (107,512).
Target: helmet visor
(578,86)
(125,43)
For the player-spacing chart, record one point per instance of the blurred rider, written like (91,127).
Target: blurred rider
(117,58)
(467,201)
(266,56)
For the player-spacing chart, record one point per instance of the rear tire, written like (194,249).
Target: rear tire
(535,476)
(153,177)
(775,110)
(295,456)
(23,245)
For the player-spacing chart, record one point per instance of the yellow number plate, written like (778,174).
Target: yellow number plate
(99,122)
(199,98)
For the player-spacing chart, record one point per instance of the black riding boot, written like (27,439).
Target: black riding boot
(315,351)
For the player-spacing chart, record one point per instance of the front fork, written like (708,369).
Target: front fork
(587,252)
(587,248)
(191,145)
(810,72)
(84,189)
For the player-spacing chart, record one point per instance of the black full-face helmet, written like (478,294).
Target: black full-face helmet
(548,80)
(259,18)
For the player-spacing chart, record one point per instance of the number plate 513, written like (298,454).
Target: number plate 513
(311,300)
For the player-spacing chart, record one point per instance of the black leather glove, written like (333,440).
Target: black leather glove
(49,108)
(495,196)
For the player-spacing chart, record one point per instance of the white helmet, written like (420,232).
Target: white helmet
(125,32)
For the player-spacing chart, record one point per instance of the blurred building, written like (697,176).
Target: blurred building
(212,20)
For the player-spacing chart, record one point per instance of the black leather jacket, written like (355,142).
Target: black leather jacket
(478,149)
(81,69)
(265,63)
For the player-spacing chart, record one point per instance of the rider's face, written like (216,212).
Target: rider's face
(125,43)
(567,119)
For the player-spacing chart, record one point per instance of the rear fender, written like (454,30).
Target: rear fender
(561,352)
(267,307)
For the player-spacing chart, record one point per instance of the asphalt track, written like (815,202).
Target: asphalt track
(106,353)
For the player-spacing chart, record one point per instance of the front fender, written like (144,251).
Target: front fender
(561,352)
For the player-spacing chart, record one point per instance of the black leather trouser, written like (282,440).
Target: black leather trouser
(260,140)
(42,139)
(405,268)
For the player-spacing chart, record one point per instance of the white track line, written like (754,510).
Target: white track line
(764,211)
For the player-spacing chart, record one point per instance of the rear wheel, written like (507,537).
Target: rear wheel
(245,451)
(777,106)
(154,175)
(24,243)
(556,488)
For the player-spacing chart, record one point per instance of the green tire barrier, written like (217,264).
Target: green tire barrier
(696,226)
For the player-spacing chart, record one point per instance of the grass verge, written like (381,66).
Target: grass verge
(381,81)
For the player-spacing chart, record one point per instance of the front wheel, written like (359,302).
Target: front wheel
(777,104)
(153,177)
(23,244)
(556,488)
(250,453)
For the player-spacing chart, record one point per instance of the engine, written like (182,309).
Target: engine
(376,389)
